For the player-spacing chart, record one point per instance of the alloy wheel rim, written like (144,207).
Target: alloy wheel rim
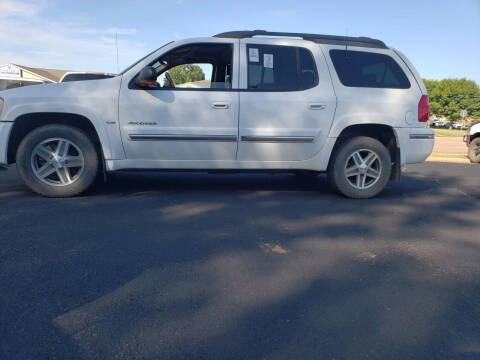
(363,169)
(57,162)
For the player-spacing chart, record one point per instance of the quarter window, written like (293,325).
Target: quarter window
(280,68)
(366,69)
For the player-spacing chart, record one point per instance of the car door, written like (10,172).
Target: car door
(286,97)
(195,120)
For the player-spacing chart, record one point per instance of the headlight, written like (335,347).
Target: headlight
(1,107)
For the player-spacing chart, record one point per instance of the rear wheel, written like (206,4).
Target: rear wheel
(57,161)
(360,168)
(474,150)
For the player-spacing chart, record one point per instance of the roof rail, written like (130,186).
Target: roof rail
(317,38)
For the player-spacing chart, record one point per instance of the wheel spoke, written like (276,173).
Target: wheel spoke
(373,173)
(358,180)
(73,161)
(363,179)
(44,153)
(370,159)
(46,170)
(64,176)
(62,148)
(357,158)
(351,171)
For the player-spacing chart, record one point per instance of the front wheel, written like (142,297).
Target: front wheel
(57,161)
(474,150)
(360,168)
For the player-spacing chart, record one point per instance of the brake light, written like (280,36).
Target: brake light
(423,109)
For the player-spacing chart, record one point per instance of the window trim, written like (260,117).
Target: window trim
(297,56)
(369,87)
(132,86)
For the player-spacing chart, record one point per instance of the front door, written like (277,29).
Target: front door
(287,100)
(192,111)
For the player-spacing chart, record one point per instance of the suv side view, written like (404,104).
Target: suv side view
(239,101)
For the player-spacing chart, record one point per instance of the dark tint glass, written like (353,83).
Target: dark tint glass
(81,77)
(280,68)
(366,69)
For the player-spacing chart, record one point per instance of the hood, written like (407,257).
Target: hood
(57,96)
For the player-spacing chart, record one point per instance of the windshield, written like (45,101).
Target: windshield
(135,63)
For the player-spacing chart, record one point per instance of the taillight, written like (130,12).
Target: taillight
(423,109)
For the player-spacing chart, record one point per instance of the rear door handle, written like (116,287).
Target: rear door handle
(317,106)
(220,105)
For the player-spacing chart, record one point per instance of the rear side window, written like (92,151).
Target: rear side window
(280,68)
(366,69)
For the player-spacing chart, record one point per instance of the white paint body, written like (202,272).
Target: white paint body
(475,129)
(320,113)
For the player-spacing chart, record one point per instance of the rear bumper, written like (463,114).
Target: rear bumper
(416,144)
(5,128)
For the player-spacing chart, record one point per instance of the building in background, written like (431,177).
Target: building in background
(13,75)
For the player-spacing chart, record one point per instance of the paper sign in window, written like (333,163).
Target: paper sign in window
(253,55)
(268,61)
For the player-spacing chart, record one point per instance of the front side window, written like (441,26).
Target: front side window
(280,68)
(198,66)
(366,69)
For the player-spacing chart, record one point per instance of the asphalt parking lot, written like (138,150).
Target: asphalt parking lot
(197,266)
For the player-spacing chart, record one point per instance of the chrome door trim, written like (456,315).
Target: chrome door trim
(169,137)
(422,136)
(282,139)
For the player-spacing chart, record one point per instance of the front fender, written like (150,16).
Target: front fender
(96,100)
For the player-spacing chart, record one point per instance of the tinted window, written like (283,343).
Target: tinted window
(280,68)
(366,69)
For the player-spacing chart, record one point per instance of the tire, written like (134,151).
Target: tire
(351,158)
(57,161)
(474,150)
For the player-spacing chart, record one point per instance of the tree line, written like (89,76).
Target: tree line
(449,96)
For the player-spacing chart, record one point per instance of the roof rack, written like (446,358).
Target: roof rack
(317,38)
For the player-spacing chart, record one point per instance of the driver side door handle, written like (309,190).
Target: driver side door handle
(220,105)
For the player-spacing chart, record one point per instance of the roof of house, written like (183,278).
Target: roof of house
(49,74)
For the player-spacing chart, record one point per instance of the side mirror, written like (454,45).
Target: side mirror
(147,78)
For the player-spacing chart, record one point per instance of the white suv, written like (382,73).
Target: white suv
(238,101)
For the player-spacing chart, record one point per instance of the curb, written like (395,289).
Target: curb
(447,160)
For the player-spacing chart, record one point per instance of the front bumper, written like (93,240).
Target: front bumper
(5,128)
(416,144)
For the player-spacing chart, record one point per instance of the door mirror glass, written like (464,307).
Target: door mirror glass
(147,78)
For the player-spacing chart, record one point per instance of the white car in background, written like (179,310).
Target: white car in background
(472,139)
(83,75)
(276,102)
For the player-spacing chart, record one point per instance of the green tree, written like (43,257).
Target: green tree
(182,74)
(449,96)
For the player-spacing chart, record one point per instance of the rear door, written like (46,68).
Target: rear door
(287,101)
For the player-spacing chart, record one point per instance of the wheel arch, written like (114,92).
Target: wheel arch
(381,132)
(26,123)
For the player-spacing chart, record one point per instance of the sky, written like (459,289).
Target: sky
(440,37)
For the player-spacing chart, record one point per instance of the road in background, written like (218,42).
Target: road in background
(195,266)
